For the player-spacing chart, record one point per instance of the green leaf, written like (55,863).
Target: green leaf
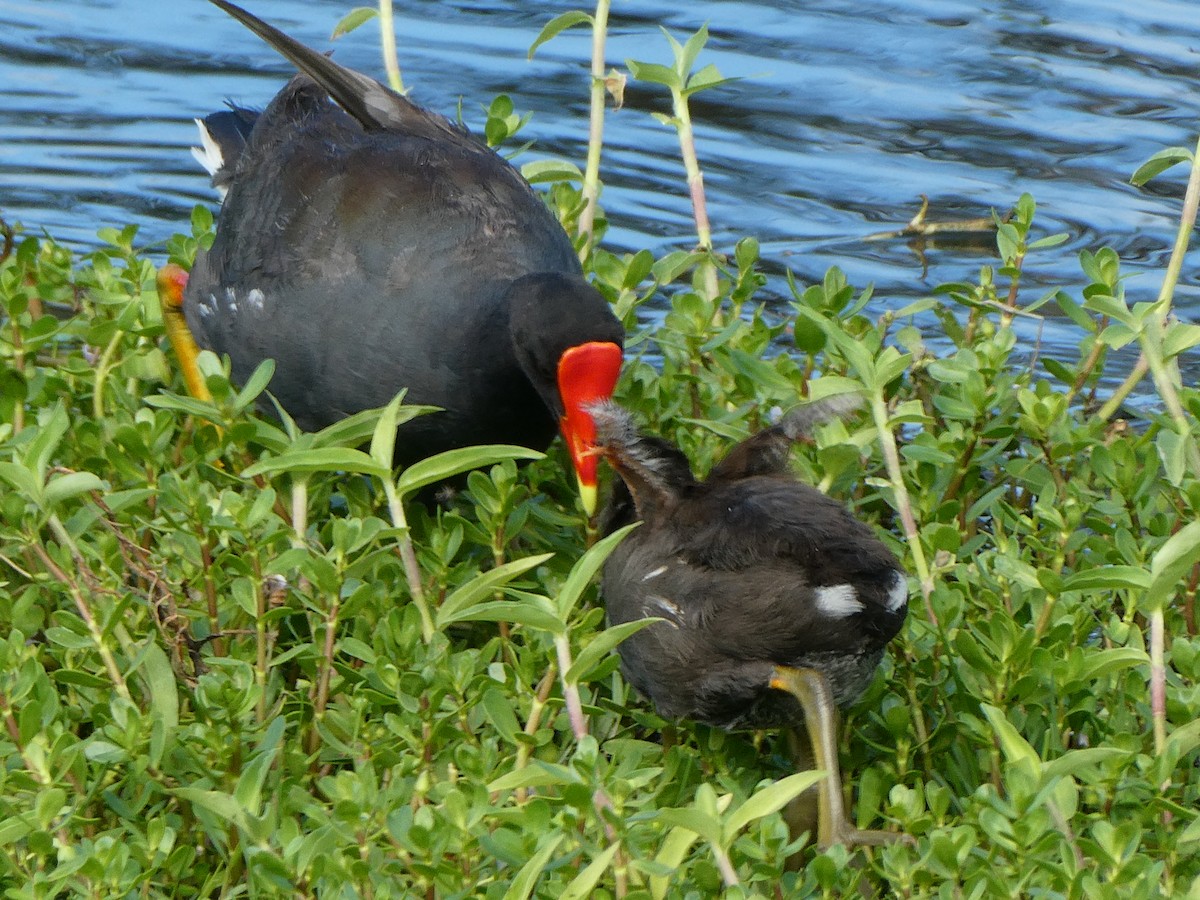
(1014,747)
(1171,562)
(319,459)
(546,171)
(1180,336)
(519,612)
(654,73)
(353,19)
(1184,739)
(522,885)
(1074,311)
(454,462)
(383,440)
(23,479)
(1110,306)
(160,678)
(537,774)
(601,645)
(221,805)
(686,56)
(769,799)
(50,432)
(104,752)
(484,585)
(14,829)
(832,386)
(358,649)
(1107,578)
(1117,335)
(891,364)
(706,79)
(582,884)
(582,571)
(760,372)
(671,854)
(187,405)
(255,384)
(674,264)
(1159,163)
(65,637)
(64,487)
(500,714)
(249,789)
(557,26)
(1052,240)
(708,827)
(1073,762)
(360,427)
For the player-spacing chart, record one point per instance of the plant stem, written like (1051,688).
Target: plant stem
(324,676)
(695,180)
(725,866)
(81,604)
(210,594)
(18,412)
(1158,681)
(102,368)
(570,689)
(591,175)
(600,799)
(299,510)
(1166,376)
(408,556)
(891,457)
(532,723)
(1119,396)
(387,40)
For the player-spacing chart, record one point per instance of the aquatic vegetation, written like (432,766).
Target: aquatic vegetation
(237,658)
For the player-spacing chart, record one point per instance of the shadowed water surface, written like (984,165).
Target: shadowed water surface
(844,112)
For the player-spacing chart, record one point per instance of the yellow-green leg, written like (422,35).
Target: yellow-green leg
(820,718)
(171,281)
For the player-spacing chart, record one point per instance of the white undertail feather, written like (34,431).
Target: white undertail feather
(208,154)
(654,574)
(671,613)
(898,592)
(838,600)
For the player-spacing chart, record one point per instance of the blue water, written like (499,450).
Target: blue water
(844,112)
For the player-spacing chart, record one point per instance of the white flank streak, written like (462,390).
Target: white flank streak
(208,154)
(654,574)
(255,299)
(839,600)
(898,595)
(674,613)
(231,299)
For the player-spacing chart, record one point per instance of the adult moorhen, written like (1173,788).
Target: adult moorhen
(776,603)
(371,246)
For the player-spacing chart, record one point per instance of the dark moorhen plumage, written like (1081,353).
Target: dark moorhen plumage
(371,246)
(776,602)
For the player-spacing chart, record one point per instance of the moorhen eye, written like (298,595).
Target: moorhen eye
(368,245)
(776,603)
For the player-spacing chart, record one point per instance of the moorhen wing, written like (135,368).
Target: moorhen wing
(368,245)
(776,603)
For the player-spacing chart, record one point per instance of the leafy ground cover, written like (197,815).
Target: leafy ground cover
(241,660)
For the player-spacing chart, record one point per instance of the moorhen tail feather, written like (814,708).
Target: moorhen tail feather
(368,245)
